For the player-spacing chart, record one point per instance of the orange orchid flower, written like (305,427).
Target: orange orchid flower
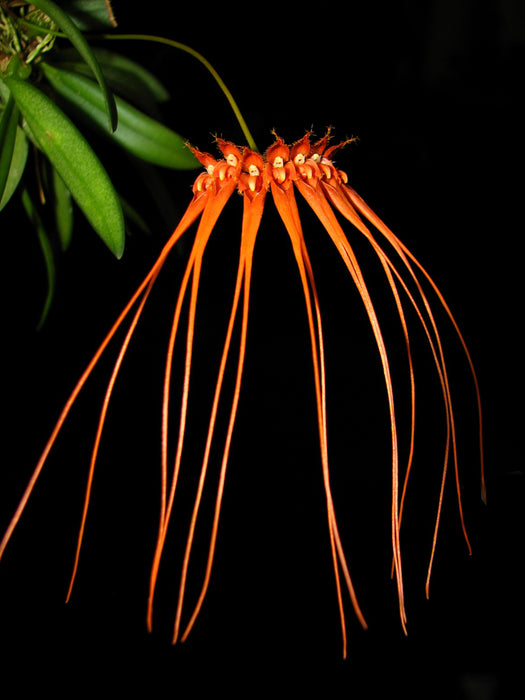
(306,168)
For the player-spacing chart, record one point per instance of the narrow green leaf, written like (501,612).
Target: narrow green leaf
(126,77)
(138,133)
(74,160)
(47,253)
(8,124)
(90,15)
(80,43)
(17,167)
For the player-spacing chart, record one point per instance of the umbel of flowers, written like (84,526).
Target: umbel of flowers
(305,167)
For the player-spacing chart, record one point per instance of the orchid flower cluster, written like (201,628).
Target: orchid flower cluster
(306,168)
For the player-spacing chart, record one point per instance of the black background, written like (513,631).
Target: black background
(432,90)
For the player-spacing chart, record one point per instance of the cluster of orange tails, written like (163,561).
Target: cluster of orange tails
(308,168)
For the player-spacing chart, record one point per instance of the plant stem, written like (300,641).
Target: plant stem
(182,47)
(187,49)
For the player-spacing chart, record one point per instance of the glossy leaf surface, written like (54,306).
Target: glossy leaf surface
(74,160)
(138,133)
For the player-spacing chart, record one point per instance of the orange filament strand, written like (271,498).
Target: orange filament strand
(287,208)
(253,209)
(326,215)
(193,210)
(211,213)
(404,253)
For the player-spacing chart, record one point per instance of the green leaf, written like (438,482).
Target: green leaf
(16,170)
(90,15)
(138,133)
(13,148)
(47,252)
(80,43)
(8,124)
(124,76)
(74,160)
